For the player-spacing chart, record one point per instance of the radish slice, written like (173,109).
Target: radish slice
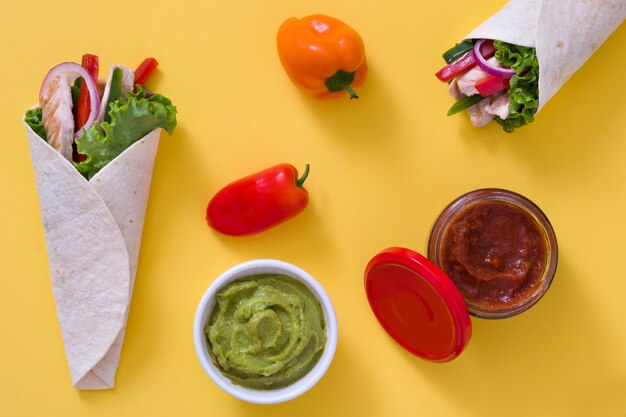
(486,66)
(74,71)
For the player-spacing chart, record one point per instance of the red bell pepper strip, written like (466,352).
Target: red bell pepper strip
(491,85)
(259,201)
(145,70)
(83,107)
(465,62)
(90,63)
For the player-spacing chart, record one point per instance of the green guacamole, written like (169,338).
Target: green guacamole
(266,331)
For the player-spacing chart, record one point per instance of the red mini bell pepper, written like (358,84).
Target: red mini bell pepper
(259,201)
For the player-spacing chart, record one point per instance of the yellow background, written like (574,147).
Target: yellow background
(382,168)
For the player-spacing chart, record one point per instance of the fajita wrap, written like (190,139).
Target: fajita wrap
(559,35)
(93,222)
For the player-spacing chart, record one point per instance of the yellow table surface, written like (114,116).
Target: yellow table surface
(382,168)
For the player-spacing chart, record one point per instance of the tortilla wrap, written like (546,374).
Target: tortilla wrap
(565,34)
(93,233)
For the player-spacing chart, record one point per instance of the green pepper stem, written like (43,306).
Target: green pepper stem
(341,80)
(300,181)
(350,91)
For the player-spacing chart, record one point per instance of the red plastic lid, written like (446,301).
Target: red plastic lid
(417,304)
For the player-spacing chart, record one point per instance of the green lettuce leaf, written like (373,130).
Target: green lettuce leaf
(132,117)
(524,85)
(34,119)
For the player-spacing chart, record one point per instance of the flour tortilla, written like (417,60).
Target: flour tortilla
(564,32)
(93,233)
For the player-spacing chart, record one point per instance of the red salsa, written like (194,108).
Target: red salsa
(495,253)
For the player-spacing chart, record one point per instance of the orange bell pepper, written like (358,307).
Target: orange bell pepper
(322,55)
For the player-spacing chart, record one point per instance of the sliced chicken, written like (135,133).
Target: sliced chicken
(467,81)
(499,106)
(128,80)
(454,91)
(58,119)
(482,112)
(479,116)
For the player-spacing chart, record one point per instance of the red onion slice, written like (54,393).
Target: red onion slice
(486,66)
(74,71)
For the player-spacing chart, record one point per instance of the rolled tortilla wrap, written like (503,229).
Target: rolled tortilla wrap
(565,34)
(93,232)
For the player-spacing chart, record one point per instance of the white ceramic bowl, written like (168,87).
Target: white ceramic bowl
(255,267)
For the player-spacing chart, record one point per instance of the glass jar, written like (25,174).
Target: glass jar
(498,248)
